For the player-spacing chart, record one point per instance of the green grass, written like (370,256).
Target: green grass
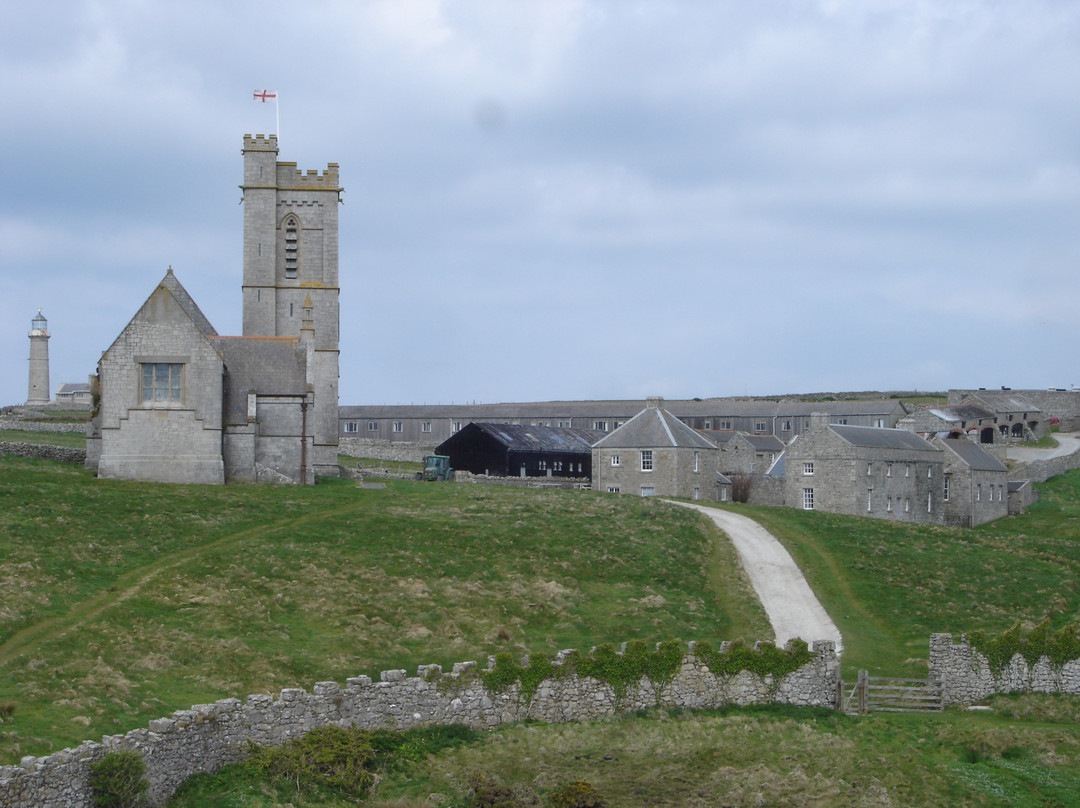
(121,602)
(72,440)
(888,586)
(395,466)
(770,755)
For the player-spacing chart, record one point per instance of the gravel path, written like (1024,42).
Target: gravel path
(792,607)
(1068,443)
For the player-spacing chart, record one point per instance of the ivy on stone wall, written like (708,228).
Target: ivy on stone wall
(1059,646)
(624,670)
(764,660)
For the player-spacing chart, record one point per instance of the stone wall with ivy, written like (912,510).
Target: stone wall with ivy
(569,687)
(977,667)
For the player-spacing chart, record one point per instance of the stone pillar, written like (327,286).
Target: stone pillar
(39,393)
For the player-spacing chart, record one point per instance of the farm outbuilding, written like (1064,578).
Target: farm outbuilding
(517,450)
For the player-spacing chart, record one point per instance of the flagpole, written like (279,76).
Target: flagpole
(277,116)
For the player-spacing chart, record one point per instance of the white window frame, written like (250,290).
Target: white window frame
(945,488)
(648,491)
(372,426)
(646,460)
(697,462)
(808,499)
(351,426)
(808,468)
(156,395)
(397,426)
(425,426)
(613,489)
(616,461)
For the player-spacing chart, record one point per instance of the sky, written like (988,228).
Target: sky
(567,199)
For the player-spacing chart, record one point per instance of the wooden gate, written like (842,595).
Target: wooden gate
(870,694)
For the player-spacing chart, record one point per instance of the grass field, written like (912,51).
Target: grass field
(121,602)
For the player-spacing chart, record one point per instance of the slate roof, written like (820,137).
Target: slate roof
(973,455)
(882,438)
(522,438)
(269,366)
(1005,401)
(654,426)
(187,303)
(779,466)
(70,388)
(961,412)
(765,443)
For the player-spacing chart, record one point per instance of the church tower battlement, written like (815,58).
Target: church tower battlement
(291,259)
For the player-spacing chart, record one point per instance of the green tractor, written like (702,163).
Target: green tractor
(436,467)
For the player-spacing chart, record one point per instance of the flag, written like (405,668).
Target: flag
(266,95)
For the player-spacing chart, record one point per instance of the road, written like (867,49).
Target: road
(1068,442)
(792,607)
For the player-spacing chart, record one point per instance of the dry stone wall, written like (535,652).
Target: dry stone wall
(402,452)
(208,736)
(967,676)
(40,426)
(43,450)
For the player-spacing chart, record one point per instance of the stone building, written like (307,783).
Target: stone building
(654,453)
(972,421)
(864,471)
(179,403)
(1016,417)
(749,454)
(974,483)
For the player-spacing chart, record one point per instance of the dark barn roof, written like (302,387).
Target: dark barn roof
(502,449)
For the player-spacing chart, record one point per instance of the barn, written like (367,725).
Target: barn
(517,450)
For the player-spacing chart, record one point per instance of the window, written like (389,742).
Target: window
(425,426)
(542,465)
(785,426)
(840,421)
(616,424)
(161,381)
(869,499)
(601,425)
(708,424)
(697,463)
(647,491)
(616,460)
(978,492)
(646,459)
(888,469)
(945,491)
(808,499)
(725,424)
(613,489)
(372,426)
(929,502)
(888,505)
(723,493)
(869,468)
(907,469)
(455,427)
(760,427)
(292,248)
(351,426)
(907,506)
(397,426)
(808,469)
(558,465)
(697,493)
(879,423)
(929,472)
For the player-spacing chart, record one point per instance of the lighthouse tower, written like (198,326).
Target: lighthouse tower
(39,362)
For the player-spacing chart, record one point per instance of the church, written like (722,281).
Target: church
(176,402)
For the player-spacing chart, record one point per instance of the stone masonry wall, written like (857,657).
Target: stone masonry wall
(40,426)
(967,677)
(1041,470)
(44,450)
(208,736)
(401,452)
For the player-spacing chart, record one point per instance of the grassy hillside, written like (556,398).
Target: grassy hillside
(121,602)
(888,586)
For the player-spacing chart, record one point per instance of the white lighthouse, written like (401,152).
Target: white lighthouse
(39,362)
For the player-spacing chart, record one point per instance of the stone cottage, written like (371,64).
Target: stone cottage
(654,453)
(864,471)
(974,485)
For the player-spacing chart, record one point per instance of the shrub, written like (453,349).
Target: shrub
(489,793)
(333,756)
(118,781)
(578,794)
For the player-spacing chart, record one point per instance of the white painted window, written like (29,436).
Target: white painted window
(945,489)
(907,506)
(601,425)
(613,489)
(697,493)
(647,491)
(869,499)
(351,426)
(708,424)
(373,426)
(978,492)
(808,499)
(760,427)
(616,460)
(723,493)
(455,427)
(646,459)
(397,426)
(869,468)
(425,426)
(808,469)
(697,463)
(888,505)
(888,469)
(929,502)
(725,424)
(907,469)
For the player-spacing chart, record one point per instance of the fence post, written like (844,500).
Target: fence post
(860,691)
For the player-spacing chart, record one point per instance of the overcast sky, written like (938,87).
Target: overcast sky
(568,200)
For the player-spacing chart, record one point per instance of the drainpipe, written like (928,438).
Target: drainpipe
(303,442)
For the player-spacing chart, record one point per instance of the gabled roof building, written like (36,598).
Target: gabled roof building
(656,454)
(515,450)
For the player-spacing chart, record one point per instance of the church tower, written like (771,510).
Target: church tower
(39,393)
(291,272)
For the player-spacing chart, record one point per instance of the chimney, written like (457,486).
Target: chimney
(653,402)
